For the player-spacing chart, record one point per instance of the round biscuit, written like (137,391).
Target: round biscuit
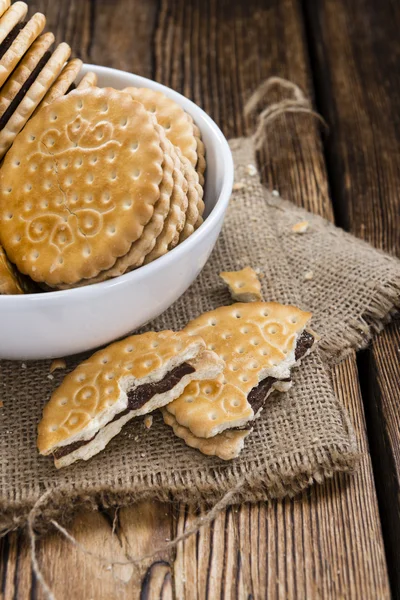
(33,96)
(63,82)
(171,116)
(135,256)
(24,70)
(195,206)
(20,45)
(11,18)
(226,445)
(256,341)
(201,152)
(92,166)
(175,220)
(88,80)
(9,283)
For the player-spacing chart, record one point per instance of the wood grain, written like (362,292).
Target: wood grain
(326,543)
(356,53)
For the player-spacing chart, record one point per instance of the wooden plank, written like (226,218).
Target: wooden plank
(327,542)
(356,54)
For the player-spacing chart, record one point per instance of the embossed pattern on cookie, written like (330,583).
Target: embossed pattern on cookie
(92,165)
(256,341)
(172,117)
(116,384)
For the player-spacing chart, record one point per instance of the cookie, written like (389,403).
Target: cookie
(135,256)
(195,208)
(226,445)
(88,80)
(201,152)
(171,116)
(260,342)
(44,79)
(9,283)
(22,42)
(23,76)
(10,18)
(63,82)
(4,5)
(175,220)
(244,285)
(129,378)
(92,165)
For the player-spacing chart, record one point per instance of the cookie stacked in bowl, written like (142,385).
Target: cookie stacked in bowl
(98,183)
(32,74)
(94,182)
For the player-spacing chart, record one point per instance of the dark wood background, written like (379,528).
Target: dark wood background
(340,540)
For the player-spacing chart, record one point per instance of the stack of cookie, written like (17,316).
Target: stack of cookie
(211,380)
(98,183)
(94,182)
(31,73)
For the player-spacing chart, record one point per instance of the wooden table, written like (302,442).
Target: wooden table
(340,540)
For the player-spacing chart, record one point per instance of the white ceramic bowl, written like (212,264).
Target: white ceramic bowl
(60,323)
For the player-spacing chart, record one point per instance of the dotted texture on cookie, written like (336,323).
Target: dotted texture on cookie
(79,185)
(96,384)
(255,340)
(171,117)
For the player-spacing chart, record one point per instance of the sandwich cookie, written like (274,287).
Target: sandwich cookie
(4,5)
(10,18)
(226,445)
(259,342)
(91,166)
(9,282)
(127,379)
(244,285)
(172,117)
(63,82)
(26,34)
(88,80)
(44,79)
(23,76)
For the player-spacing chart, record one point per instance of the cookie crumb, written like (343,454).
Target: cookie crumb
(300,227)
(143,454)
(49,376)
(148,421)
(1,403)
(23,366)
(309,275)
(251,170)
(275,193)
(238,186)
(58,363)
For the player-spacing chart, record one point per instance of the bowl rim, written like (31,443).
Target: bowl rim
(163,261)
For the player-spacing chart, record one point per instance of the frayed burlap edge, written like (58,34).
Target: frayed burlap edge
(263,483)
(383,307)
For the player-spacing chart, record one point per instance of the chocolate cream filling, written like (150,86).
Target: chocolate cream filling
(136,399)
(143,393)
(24,88)
(8,40)
(258,395)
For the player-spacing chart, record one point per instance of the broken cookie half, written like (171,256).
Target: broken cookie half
(259,343)
(127,379)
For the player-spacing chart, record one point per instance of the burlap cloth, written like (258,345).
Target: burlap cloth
(302,436)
